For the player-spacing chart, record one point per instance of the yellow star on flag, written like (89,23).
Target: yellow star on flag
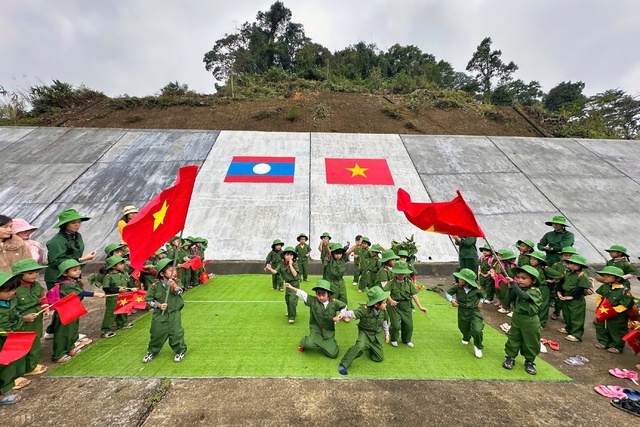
(158,217)
(357,170)
(139,299)
(604,310)
(123,302)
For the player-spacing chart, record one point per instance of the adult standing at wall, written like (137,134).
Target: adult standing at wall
(553,242)
(127,215)
(12,247)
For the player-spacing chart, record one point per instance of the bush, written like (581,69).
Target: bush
(58,96)
(394,113)
(320,111)
(293,114)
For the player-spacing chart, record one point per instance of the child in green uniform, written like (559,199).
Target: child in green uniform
(388,260)
(524,335)
(374,265)
(402,292)
(404,257)
(553,242)
(165,297)
(374,322)
(65,337)
(537,260)
(31,299)
(185,275)
(274,260)
(362,263)
(334,269)
(561,267)
(526,247)
(609,332)
(468,298)
(303,252)
(356,264)
(505,295)
(148,275)
(572,297)
(485,278)
(115,281)
(198,250)
(110,250)
(323,316)
(467,253)
(290,273)
(620,259)
(10,321)
(324,249)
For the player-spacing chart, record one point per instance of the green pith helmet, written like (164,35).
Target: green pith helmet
(375,295)
(552,274)
(467,275)
(558,219)
(376,248)
(112,247)
(387,255)
(539,255)
(578,259)
(67,264)
(485,247)
(612,270)
(162,264)
(366,239)
(325,234)
(507,254)
(112,261)
(160,252)
(333,247)
(69,215)
(526,242)
(276,242)
(569,250)
(403,253)
(401,267)
(173,239)
(5,277)
(618,248)
(191,239)
(323,284)
(289,249)
(301,235)
(198,240)
(529,269)
(25,265)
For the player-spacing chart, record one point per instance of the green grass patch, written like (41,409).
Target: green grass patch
(235,326)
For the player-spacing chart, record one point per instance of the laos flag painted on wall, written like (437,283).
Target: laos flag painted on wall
(261,169)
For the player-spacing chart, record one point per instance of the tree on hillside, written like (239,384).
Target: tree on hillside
(567,96)
(313,61)
(618,111)
(465,82)
(176,89)
(517,92)
(489,67)
(356,62)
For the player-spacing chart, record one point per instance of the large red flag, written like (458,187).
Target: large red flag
(605,311)
(454,217)
(633,339)
(138,299)
(125,303)
(70,308)
(17,345)
(161,219)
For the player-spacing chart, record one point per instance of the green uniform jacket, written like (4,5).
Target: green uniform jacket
(468,248)
(10,318)
(302,252)
(364,257)
(555,241)
(29,297)
(371,320)
(61,247)
(467,301)
(384,275)
(70,287)
(373,268)
(401,291)
(626,267)
(158,292)
(616,297)
(485,267)
(286,274)
(275,259)
(572,281)
(114,281)
(527,307)
(321,318)
(334,269)
(523,260)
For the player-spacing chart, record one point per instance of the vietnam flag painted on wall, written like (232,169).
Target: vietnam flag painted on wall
(161,219)
(358,171)
(454,217)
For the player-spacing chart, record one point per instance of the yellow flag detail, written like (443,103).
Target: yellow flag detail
(158,217)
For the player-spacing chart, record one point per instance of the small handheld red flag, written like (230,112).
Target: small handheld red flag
(138,299)
(633,339)
(605,311)
(194,263)
(70,308)
(125,303)
(136,275)
(17,345)
(204,277)
(454,217)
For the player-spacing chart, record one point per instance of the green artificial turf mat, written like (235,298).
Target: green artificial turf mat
(236,326)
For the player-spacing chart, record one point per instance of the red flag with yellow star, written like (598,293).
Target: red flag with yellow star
(605,311)
(138,299)
(358,171)
(633,339)
(125,303)
(161,219)
(454,217)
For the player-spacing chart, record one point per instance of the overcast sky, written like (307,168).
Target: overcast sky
(135,47)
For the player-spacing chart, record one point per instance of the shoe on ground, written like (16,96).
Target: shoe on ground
(291,321)
(342,369)
(477,352)
(148,358)
(508,363)
(464,342)
(410,344)
(355,283)
(359,291)
(503,310)
(543,348)
(10,399)
(488,301)
(394,343)
(510,314)
(300,348)
(39,369)
(47,336)
(530,368)
(179,356)
(81,336)
(127,326)
(109,334)
(21,382)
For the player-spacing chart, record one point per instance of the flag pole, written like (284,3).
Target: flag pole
(175,262)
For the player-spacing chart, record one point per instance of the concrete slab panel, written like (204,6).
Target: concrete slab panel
(370,210)
(623,155)
(504,230)
(241,220)
(27,211)
(9,135)
(455,154)
(161,145)
(489,193)
(32,144)
(544,157)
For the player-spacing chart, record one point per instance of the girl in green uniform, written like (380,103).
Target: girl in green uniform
(503,287)
(524,335)
(526,247)
(572,297)
(362,263)
(334,269)
(388,260)
(116,281)
(620,259)
(468,298)
(374,322)
(290,273)
(323,316)
(563,268)
(303,252)
(610,331)
(402,292)
(486,281)
(373,266)
(537,260)
(10,321)
(274,260)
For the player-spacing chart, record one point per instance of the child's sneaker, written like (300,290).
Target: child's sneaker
(47,336)
(477,352)
(127,326)
(410,344)
(509,363)
(342,369)
(503,310)
(291,321)
(464,342)
(488,301)
(179,356)
(109,334)
(394,343)
(355,283)
(530,368)
(148,358)
(510,314)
